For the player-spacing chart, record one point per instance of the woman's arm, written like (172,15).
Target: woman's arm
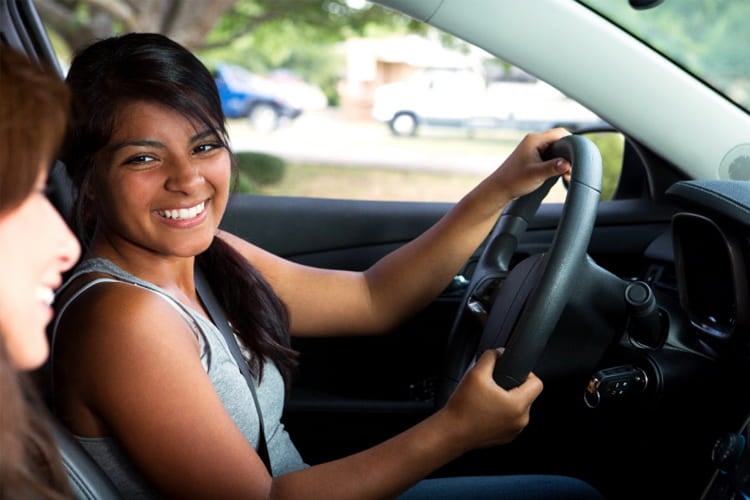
(135,365)
(327,302)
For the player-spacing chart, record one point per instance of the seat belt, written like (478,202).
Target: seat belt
(222,323)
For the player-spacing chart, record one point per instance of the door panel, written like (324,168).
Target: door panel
(351,393)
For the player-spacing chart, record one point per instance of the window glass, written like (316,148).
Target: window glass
(401,128)
(707,37)
(404,113)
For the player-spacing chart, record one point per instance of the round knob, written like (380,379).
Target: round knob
(640,298)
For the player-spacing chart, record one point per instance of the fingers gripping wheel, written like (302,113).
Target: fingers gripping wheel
(559,265)
(534,293)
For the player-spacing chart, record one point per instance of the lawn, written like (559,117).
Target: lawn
(326,156)
(363,183)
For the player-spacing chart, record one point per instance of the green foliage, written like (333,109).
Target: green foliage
(318,64)
(611,146)
(709,37)
(302,36)
(257,170)
(245,185)
(326,21)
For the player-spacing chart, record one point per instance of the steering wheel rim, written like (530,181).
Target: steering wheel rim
(534,293)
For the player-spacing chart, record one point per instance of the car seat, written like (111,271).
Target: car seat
(87,480)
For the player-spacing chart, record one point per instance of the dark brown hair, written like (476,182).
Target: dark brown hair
(151,67)
(33,113)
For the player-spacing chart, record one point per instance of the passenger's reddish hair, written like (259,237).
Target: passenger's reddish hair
(33,115)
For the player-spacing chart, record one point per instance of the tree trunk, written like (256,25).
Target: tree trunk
(80,23)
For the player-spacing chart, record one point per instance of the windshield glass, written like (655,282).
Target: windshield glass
(709,38)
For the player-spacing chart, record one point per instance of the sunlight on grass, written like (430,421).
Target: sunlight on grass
(371,183)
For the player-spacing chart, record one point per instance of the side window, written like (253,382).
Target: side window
(611,145)
(406,117)
(421,123)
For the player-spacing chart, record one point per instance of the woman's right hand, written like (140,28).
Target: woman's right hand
(484,413)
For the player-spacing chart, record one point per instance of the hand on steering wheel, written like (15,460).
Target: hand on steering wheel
(522,315)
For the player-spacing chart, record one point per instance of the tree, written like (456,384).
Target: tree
(711,35)
(79,22)
(258,34)
(201,25)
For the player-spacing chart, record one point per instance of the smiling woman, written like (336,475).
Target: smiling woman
(37,247)
(148,154)
(407,290)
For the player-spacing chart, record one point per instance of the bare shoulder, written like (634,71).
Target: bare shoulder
(109,307)
(134,372)
(125,325)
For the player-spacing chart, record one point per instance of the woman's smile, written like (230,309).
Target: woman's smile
(183,213)
(183,217)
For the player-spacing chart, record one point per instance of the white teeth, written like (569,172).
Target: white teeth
(183,213)
(45,295)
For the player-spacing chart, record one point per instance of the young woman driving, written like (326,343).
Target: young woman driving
(141,374)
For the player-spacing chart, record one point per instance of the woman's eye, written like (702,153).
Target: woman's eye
(205,148)
(139,160)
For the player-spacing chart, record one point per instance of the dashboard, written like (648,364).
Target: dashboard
(711,243)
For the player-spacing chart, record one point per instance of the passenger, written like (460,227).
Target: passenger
(36,248)
(142,376)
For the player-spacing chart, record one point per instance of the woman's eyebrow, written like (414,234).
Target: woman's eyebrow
(157,144)
(202,135)
(138,142)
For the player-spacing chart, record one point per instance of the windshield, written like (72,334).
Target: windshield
(709,38)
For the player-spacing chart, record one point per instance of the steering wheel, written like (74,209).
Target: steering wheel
(518,308)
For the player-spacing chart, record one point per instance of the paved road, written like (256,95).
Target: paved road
(327,138)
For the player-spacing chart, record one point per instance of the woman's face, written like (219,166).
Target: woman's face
(161,183)
(37,247)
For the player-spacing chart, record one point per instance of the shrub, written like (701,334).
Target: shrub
(611,146)
(244,185)
(257,170)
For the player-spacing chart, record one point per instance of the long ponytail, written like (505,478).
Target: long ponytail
(256,313)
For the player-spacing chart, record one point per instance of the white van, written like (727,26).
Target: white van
(462,98)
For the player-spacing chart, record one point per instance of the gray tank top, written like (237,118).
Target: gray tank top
(225,376)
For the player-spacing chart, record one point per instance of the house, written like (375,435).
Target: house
(371,62)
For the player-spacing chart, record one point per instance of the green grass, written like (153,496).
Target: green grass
(362,183)
(267,174)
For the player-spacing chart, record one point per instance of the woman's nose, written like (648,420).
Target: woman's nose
(183,175)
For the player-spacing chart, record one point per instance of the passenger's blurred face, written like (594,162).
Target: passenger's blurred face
(36,247)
